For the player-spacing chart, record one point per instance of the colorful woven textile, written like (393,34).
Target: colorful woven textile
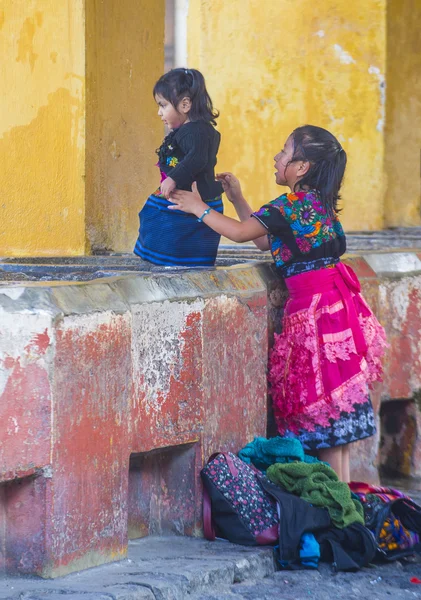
(175,238)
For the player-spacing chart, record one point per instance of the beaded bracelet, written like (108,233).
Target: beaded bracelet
(207,211)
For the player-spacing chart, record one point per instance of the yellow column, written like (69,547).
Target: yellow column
(42,127)
(124,58)
(403,113)
(77,149)
(273,65)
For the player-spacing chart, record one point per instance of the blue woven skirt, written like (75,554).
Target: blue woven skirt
(175,238)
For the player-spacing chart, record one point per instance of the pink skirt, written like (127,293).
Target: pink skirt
(329,352)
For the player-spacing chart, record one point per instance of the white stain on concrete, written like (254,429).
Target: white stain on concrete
(394,263)
(157,347)
(344,57)
(396,295)
(375,71)
(12,427)
(12,292)
(18,332)
(86,324)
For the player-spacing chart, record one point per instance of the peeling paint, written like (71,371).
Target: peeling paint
(157,362)
(343,55)
(382,92)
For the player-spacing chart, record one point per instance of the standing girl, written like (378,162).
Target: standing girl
(187,154)
(330,348)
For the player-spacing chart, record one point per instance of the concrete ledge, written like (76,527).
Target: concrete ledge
(114,391)
(112,394)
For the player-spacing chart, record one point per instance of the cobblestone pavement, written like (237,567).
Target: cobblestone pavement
(177,568)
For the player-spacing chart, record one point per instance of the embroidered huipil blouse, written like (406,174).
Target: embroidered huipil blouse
(302,236)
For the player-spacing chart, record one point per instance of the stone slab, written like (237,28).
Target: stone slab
(158,568)
(394,263)
(176,568)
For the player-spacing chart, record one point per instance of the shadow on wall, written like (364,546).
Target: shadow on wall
(398,442)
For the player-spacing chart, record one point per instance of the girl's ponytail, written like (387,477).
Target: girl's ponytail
(327,161)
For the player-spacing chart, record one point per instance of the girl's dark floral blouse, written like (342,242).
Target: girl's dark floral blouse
(302,236)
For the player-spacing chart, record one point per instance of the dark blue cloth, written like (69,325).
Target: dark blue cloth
(175,238)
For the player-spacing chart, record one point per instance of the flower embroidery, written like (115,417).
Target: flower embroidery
(306,214)
(285,253)
(172,161)
(304,245)
(307,218)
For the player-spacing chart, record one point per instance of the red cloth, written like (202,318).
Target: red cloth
(329,350)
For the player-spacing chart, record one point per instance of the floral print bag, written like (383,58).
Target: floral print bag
(235,505)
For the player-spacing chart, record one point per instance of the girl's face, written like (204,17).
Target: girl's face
(287,172)
(171,116)
(283,163)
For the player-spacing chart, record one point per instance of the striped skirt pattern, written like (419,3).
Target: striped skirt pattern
(175,238)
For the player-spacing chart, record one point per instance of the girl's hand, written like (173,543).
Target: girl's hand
(231,186)
(189,202)
(167,186)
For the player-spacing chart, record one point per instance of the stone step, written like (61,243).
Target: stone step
(157,568)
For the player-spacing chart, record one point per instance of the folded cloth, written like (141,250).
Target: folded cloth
(318,484)
(263,453)
(350,548)
(309,551)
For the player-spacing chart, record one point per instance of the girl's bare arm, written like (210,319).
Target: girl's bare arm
(234,194)
(234,230)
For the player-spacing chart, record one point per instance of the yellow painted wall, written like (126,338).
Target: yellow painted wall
(124,57)
(42,127)
(403,110)
(77,160)
(273,65)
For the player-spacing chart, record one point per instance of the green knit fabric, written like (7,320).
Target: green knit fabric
(319,485)
(262,452)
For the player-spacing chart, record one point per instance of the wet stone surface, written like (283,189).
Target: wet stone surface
(87,268)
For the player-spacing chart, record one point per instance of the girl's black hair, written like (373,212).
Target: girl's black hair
(327,161)
(181,83)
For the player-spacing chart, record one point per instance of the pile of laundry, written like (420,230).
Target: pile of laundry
(273,493)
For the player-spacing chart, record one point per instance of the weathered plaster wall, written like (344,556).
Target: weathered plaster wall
(271,66)
(124,58)
(77,160)
(114,392)
(42,127)
(403,113)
